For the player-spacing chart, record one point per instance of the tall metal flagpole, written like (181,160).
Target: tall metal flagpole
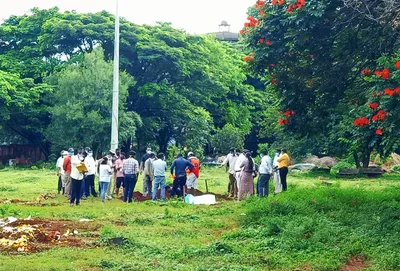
(115,103)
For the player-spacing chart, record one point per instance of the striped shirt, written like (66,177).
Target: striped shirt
(130,166)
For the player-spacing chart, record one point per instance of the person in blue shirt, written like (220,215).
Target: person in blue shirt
(179,166)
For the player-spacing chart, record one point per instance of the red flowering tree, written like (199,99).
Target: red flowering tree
(379,128)
(312,52)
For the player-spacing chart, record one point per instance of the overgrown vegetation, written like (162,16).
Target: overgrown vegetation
(311,226)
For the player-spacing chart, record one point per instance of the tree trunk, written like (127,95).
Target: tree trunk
(366,158)
(356,159)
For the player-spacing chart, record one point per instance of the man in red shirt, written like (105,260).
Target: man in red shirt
(193,174)
(67,169)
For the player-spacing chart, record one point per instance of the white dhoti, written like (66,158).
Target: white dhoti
(277,182)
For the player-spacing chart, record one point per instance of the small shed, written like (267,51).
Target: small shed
(20,154)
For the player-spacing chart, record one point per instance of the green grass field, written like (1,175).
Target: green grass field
(310,227)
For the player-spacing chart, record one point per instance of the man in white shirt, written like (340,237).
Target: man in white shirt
(231,161)
(76,180)
(265,170)
(277,178)
(159,169)
(60,171)
(89,176)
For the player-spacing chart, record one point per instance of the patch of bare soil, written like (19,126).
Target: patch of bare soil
(355,263)
(36,235)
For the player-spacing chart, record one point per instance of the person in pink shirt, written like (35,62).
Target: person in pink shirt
(120,174)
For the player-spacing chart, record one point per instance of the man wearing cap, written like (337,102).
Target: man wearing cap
(179,166)
(67,172)
(76,179)
(89,176)
(194,173)
(130,167)
(148,175)
(60,171)
(231,161)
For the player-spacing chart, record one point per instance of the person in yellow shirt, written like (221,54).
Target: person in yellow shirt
(283,164)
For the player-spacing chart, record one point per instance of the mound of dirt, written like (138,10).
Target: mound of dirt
(355,264)
(33,235)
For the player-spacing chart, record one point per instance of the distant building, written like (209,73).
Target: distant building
(224,33)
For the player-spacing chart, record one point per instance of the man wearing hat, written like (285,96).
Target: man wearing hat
(60,171)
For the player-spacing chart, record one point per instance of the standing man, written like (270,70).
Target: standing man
(277,178)
(159,169)
(111,156)
(194,173)
(141,165)
(179,166)
(265,170)
(67,172)
(230,160)
(284,161)
(130,167)
(60,171)
(148,175)
(120,174)
(89,176)
(238,169)
(76,180)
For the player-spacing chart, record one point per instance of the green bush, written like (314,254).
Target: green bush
(341,165)
(396,168)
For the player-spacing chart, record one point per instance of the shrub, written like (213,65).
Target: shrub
(396,168)
(341,165)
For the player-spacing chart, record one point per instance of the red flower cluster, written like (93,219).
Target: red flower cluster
(389,91)
(252,22)
(268,42)
(384,74)
(289,113)
(283,121)
(261,40)
(361,122)
(397,65)
(378,131)
(262,13)
(373,106)
(366,71)
(248,58)
(259,4)
(299,4)
(380,115)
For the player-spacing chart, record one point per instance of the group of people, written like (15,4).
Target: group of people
(116,171)
(242,171)
(76,172)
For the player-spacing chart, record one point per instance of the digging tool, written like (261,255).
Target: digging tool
(206,186)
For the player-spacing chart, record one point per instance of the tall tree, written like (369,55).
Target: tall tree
(81,115)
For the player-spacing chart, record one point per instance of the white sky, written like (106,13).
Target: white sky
(201,16)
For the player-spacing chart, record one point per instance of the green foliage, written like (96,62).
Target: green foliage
(306,63)
(81,115)
(396,168)
(226,138)
(341,165)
